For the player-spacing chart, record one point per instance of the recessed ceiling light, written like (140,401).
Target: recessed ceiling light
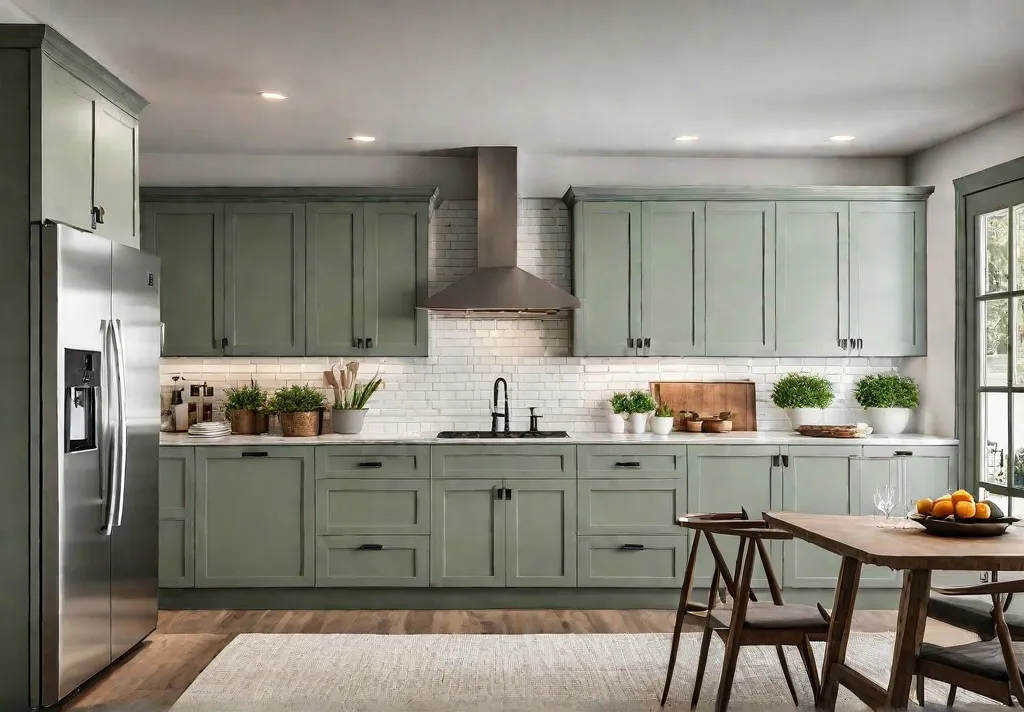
(687,138)
(273,95)
(362,139)
(841,138)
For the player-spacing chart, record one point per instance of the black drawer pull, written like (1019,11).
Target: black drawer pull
(903,453)
(370,547)
(254,454)
(370,465)
(632,547)
(630,465)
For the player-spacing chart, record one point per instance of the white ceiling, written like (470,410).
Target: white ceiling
(600,77)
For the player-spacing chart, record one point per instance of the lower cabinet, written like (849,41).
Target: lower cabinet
(177,483)
(497,532)
(254,516)
(634,506)
(629,561)
(372,560)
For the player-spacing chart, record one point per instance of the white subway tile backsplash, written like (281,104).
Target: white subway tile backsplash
(451,388)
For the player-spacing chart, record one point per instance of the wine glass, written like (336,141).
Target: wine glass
(885,502)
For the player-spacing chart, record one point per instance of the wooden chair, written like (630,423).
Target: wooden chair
(988,667)
(748,622)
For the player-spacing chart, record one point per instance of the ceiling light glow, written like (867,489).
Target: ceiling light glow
(686,138)
(362,139)
(273,95)
(841,138)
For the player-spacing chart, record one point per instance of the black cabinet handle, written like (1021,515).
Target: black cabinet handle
(628,465)
(903,453)
(632,547)
(255,454)
(508,493)
(369,343)
(499,493)
(370,547)
(97,213)
(647,342)
(860,344)
(631,343)
(776,461)
(843,344)
(370,465)
(785,460)
(359,343)
(224,343)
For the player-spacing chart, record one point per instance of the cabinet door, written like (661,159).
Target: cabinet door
(887,278)
(255,521)
(812,270)
(540,533)
(672,316)
(374,506)
(189,240)
(467,533)
(816,481)
(116,182)
(630,506)
(632,561)
(176,564)
(395,279)
(372,560)
(724,478)
(265,279)
(739,279)
(607,278)
(334,278)
(67,147)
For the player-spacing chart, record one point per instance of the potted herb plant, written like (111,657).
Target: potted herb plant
(664,417)
(298,409)
(641,405)
(888,399)
(620,409)
(804,397)
(350,401)
(243,405)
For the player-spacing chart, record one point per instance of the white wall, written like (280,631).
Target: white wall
(989,145)
(540,175)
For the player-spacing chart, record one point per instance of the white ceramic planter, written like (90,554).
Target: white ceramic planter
(616,423)
(888,421)
(345,421)
(638,422)
(661,426)
(805,416)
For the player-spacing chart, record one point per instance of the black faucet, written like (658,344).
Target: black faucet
(494,410)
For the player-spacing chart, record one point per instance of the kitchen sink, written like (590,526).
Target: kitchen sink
(501,435)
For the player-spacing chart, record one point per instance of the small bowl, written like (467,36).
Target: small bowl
(693,426)
(717,426)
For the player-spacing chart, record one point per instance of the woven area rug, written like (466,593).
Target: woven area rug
(541,673)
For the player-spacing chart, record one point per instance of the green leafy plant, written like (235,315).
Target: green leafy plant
(887,390)
(358,396)
(296,399)
(640,402)
(620,403)
(664,411)
(802,390)
(250,397)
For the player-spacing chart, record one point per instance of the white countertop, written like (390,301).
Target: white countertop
(737,438)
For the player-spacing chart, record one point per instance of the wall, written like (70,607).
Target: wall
(989,145)
(451,388)
(539,175)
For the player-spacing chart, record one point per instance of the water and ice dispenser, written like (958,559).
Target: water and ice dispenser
(82,371)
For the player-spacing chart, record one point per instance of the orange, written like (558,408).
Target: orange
(944,498)
(962,496)
(924,506)
(942,509)
(966,510)
(982,511)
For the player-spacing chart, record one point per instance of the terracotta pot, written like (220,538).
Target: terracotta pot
(299,425)
(243,422)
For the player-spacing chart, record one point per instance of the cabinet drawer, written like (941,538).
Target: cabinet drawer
(631,561)
(631,506)
(373,506)
(503,461)
(372,560)
(636,462)
(401,461)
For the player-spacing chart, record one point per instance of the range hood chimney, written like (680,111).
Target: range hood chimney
(497,284)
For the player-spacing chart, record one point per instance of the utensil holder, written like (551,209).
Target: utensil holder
(347,421)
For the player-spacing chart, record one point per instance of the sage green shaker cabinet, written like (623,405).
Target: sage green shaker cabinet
(264,279)
(739,279)
(467,533)
(672,263)
(372,561)
(540,533)
(632,561)
(177,485)
(255,517)
(887,278)
(334,278)
(812,278)
(115,174)
(189,240)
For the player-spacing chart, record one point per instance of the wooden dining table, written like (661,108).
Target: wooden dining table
(859,541)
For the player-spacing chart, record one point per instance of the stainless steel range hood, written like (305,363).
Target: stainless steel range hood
(497,284)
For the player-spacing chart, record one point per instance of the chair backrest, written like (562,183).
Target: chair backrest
(752,537)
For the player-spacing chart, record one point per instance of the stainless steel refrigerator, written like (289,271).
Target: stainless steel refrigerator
(97,443)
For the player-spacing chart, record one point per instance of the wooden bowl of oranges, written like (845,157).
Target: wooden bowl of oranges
(958,514)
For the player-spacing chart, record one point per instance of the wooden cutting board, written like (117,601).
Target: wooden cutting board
(709,398)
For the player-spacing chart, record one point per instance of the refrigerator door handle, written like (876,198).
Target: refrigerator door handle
(122,421)
(110,445)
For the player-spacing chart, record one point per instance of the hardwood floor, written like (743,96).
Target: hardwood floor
(185,642)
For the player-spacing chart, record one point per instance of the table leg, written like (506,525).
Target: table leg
(839,631)
(909,635)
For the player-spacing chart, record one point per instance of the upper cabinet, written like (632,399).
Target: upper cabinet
(801,272)
(333,272)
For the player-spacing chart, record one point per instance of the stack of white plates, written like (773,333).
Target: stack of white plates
(216,429)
